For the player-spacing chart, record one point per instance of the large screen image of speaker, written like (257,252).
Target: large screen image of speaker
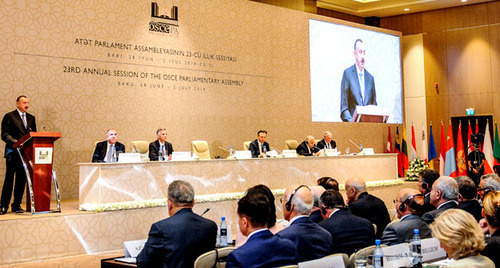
(352,66)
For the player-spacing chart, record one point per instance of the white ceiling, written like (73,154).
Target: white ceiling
(387,8)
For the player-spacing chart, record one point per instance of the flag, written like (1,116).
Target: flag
(487,150)
(404,151)
(389,142)
(413,148)
(397,149)
(423,152)
(450,166)
(432,150)
(442,151)
(496,147)
(477,131)
(470,148)
(461,165)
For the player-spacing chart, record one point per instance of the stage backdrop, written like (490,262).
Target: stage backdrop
(218,70)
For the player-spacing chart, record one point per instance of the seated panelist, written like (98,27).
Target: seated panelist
(160,149)
(108,150)
(327,141)
(259,146)
(307,147)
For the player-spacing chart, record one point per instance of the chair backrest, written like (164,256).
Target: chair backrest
(291,144)
(246,145)
(200,148)
(316,142)
(334,260)
(365,252)
(141,147)
(213,258)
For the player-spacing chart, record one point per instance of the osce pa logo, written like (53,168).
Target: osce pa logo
(164,23)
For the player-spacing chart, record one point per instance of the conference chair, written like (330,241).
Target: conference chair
(213,258)
(316,142)
(368,251)
(246,145)
(141,147)
(200,148)
(291,144)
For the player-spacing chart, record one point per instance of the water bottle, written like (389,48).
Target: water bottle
(223,232)
(361,148)
(231,150)
(264,151)
(416,249)
(114,157)
(161,155)
(377,255)
(324,149)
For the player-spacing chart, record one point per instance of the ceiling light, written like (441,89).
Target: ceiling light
(407,9)
(463,1)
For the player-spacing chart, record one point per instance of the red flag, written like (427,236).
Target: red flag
(397,149)
(470,148)
(404,151)
(477,131)
(389,141)
(442,151)
(413,144)
(461,165)
(488,150)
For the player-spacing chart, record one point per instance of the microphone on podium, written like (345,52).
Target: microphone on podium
(224,149)
(355,144)
(206,210)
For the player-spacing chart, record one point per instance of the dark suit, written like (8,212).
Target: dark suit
(13,130)
(350,92)
(431,215)
(254,148)
(473,207)
(427,203)
(349,232)
(316,217)
(312,241)
(373,209)
(178,240)
(492,248)
(263,249)
(101,150)
(302,149)
(154,150)
(402,231)
(322,143)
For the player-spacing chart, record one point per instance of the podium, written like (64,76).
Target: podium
(370,114)
(36,150)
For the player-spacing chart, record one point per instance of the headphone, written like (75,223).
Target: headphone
(425,185)
(402,206)
(288,204)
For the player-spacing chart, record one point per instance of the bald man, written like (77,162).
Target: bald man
(307,147)
(365,205)
(312,241)
(409,207)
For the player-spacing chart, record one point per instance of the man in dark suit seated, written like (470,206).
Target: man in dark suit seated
(409,208)
(467,192)
(315,214)
(178,240)
(307,147)
(327,142)
(15,125)
(444,195)
(262,249)
(160,149)
(259,146)
(349,232)
(365,205)
(108,150)
(427,177)
(312,241)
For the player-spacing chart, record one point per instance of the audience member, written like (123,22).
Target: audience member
(491,212)
(312,241)
(315,215)
(461,238)
(327,141)
(409,207)
(272,225)
(488,183)
(178,240)
(444,196)
(307,147)
(259,146)
(106,150)
(262,249)
(426,178)
(328,183)
(365,205)
(466,197)
(160,149)
(349,232)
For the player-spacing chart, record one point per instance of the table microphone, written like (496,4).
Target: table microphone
(206,210)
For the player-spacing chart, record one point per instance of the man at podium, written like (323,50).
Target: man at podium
(358,85)
(15,125)
(108,150)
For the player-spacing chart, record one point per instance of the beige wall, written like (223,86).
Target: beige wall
(270,43)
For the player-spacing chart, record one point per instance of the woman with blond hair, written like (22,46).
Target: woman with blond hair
(491,213)
(461,238)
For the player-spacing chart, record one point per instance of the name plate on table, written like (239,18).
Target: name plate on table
(396,256)
(181,156)
(432,250)
(331,152)
(132,249)
(330,262)
(129,158)
(43,155)
(289,153)
(246,154)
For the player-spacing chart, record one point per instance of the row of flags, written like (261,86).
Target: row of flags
(449,164)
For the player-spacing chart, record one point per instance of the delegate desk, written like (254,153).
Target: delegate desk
(104,183)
